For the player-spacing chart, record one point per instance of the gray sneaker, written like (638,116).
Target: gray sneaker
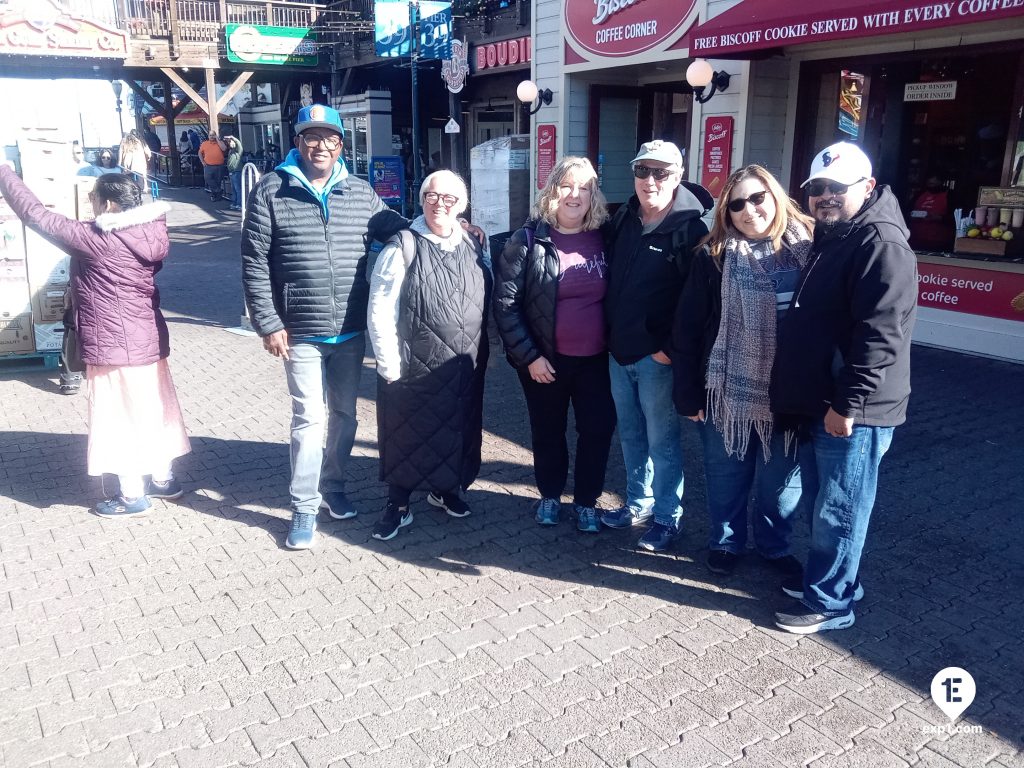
(302,531)
(626,517)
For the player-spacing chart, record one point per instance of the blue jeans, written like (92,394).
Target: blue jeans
(840,476)
(650,436)
(730,480)
(318,374)
(236,187)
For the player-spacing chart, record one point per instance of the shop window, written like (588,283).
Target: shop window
(937,127)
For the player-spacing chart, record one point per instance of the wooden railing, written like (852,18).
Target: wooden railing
(203,21)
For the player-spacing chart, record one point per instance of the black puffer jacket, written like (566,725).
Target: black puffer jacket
(304,272)
(845,340)
(698,318)
(646,274)
(525,294)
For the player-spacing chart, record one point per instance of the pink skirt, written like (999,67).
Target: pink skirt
(135,424)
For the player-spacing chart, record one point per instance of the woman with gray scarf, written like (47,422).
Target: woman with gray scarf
(741,282)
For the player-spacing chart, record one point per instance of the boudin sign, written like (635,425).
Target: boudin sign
(624,27)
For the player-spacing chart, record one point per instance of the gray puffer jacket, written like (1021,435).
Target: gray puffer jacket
(305,271)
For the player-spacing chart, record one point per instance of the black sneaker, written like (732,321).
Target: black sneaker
(169,489)
(801,620)
(787,565)
(120,506)
(450,503)
(722,562)
(338,506)
(393,518)
(794,587)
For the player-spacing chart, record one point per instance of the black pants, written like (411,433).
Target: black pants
(584,382)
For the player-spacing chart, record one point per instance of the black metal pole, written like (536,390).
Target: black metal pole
(417,171)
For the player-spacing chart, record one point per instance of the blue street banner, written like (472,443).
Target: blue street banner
(387,177)
(391,28)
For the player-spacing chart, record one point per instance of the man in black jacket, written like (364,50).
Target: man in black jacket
(651,245)
(842,368)
(304,246)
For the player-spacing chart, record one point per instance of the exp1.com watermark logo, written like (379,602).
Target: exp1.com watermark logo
(953,691)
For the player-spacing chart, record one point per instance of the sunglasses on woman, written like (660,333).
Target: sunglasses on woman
(817,188)
(740,203)
(643,171)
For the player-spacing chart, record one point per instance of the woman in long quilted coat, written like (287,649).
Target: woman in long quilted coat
(135,424)
(427,321)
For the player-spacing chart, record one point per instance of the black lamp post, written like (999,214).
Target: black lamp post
(117,85)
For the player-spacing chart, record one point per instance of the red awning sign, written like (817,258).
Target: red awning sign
(761,24)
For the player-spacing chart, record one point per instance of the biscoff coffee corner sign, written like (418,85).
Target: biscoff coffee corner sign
(617,28)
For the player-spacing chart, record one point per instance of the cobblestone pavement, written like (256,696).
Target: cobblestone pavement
(190,637)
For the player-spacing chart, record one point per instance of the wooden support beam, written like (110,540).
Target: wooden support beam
(211,95)
(143,94)
(173,159)
(234,88)
(188,89)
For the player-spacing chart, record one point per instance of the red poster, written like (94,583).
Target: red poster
(973,291)
(545,153)
(717,153)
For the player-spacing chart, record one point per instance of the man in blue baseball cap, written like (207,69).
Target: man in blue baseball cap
(304,252)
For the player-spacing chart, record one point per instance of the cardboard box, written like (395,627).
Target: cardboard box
(58,195)
(48,303)
(14,297)
(13,268)
(49,336)
(46,262)
(16,334)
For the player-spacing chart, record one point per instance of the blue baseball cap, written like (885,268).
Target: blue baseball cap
(319,116)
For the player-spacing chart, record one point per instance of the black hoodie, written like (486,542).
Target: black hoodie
(645,277)
(845,340)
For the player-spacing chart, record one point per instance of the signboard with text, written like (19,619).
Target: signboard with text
(387,178)
(984,292)
(944,90)
(47,29)
(623,27)
(545,153)
(391,25)
(717,153)
(256,44)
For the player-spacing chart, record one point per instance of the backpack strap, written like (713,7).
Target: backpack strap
(408,243)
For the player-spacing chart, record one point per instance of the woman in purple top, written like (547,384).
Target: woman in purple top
(548,304)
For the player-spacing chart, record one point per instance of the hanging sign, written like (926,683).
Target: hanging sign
(717,153)
(47,29)
(391,22)
(545,153)
(451,126)
(455,70)
(504,53)
(851,91)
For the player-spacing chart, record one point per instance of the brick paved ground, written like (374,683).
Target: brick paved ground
(192,638)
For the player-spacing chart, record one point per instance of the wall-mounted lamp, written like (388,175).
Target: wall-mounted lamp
(527,93)
(700,75)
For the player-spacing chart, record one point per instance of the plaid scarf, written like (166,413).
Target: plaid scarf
(740,364)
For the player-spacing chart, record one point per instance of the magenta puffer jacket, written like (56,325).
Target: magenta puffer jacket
(114,261)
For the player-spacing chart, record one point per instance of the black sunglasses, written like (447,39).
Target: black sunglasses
(643,171)
(817,188)
(740,203)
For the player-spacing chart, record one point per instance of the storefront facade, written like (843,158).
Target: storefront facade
(617,72)
(933,93)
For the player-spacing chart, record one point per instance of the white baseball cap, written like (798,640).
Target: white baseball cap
(842,162)
(661,151)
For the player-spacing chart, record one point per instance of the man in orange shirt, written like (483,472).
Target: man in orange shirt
(211,153)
